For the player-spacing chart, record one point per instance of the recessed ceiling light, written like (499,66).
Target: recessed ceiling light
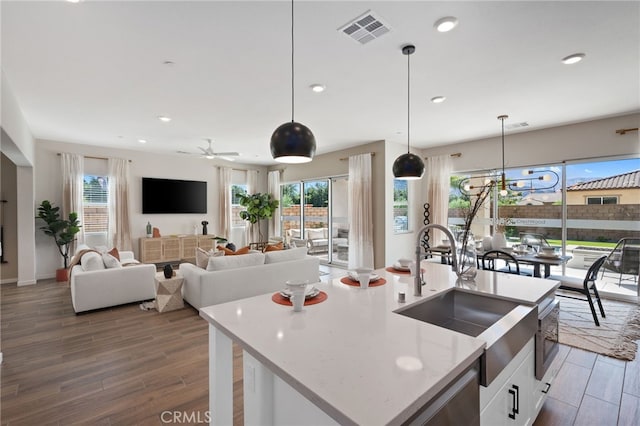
(573,59)
(164,118)
(142,140)
(438,99)
(446,24)
(75,1)
(318,88)
(168,63)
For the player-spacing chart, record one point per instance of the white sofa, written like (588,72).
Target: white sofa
(267,273)
(94,289)
(317,239)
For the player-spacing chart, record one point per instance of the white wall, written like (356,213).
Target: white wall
(592,139)
(49,186)
(17,144)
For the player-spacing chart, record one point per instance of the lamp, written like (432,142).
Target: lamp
(293,142)
(466,187)
(503,182)
(408,166)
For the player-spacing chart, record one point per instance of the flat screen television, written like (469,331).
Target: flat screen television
(173,196)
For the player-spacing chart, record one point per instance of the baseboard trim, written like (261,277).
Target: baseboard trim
(9,281)
(26,282)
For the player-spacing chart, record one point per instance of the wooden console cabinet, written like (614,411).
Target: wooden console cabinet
(173,249)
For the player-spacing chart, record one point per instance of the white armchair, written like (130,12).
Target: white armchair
(94,289)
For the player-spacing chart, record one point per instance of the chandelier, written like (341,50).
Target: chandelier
(532,180)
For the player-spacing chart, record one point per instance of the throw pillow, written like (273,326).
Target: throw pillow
(273,247)
(285,255)
(110,261)
(235,262)
(115,253)
(202,256)
(229,252)
(316,234)
(92,261)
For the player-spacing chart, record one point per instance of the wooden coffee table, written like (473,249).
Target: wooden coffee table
(168,293)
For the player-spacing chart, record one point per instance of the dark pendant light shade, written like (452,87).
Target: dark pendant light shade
(408,167)
(293,142)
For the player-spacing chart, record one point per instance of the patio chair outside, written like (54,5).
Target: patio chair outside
(624,259)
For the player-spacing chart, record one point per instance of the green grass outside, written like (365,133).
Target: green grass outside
(583,243)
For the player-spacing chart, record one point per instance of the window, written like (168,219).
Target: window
(400,206)
(95,204)
(602,200)
(236,208)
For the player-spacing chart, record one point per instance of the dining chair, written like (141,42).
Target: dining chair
(624,259)
(584,286)
(490,258)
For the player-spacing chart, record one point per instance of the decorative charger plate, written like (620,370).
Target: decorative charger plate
(354,276)
(313,292)
(399,267)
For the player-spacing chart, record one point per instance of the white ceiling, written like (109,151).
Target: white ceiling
(93,72)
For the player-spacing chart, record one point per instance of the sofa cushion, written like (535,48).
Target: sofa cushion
(294,233)
(91,261)
(273,247)
(110,261)
(235,262)
(285,255)
(115,253)
(316,234)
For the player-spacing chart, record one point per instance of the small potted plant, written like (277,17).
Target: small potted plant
(62,230)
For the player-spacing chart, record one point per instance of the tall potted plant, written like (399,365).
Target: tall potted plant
(62,230)
(257,207)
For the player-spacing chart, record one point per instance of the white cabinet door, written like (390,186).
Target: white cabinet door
(512,404)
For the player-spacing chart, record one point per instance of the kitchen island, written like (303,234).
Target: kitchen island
(350,359)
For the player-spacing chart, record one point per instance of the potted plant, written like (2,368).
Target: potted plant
(62,230)
(258,206)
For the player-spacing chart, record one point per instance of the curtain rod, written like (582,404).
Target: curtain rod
(455,155)
(624,131)
(373,154)
(91,157)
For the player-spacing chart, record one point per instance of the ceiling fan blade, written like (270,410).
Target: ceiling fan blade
(204,151)
(222,157)
(227,154)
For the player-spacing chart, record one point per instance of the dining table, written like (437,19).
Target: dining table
(537,260)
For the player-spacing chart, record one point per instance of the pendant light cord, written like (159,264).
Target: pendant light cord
(408,101)
(502,119)
(292,70)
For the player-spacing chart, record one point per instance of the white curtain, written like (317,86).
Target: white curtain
(119,227)
(437,193)
(224,202)
(72,184)
(360,212)
(273,183)
(251,231)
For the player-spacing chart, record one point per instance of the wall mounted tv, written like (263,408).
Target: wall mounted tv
(173,196)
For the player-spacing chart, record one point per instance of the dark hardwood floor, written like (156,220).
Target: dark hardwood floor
(117,366)
(125,366)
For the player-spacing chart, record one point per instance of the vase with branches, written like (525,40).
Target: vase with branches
(465,248)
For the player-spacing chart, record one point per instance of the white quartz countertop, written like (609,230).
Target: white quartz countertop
(352,355)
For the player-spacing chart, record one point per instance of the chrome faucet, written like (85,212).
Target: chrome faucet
(418,282)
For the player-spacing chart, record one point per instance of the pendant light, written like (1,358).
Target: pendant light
(408,166)
(293,142)
(503,183)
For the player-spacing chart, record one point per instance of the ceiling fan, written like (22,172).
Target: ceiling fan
(210,154)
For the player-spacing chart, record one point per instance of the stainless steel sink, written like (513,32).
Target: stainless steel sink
(504,325)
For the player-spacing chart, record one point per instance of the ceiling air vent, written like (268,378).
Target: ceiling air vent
(365,28)
(516,125)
